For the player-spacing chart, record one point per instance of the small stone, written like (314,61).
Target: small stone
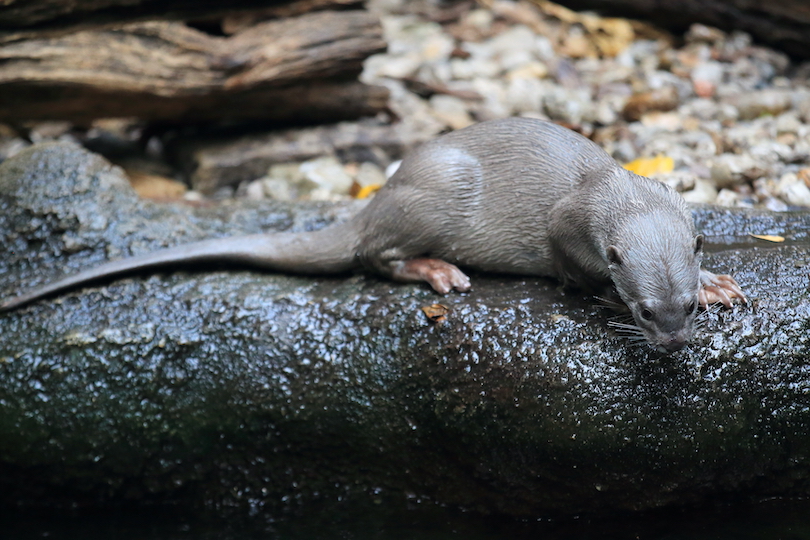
(728,170)
(793,190)
(670,121)
(704,192)
(48,131)
(771,152)
(480,18)
(758,103)
(396,67)
(321,194)
(515,59)
(680,181)
(277,189)
(11,147)
(451,110)
(254,190)
(193,196)
(775,205)
(568,105)
(787,122)
(702,33)
(523,95)
(290,172)
(727,197)
(518,38)
(531,70)
(328,174)
(706,76)
(474,67)
(369,174)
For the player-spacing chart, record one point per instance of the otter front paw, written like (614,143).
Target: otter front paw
(441,275)
(719,289)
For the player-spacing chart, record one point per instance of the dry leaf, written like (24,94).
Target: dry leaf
(651,166)
(436,313)
(365,191)
(769,237)
(605,37)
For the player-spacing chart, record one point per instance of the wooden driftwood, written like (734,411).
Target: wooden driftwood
(290,68)
(37,18)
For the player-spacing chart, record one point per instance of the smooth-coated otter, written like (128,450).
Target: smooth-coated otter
(517,196)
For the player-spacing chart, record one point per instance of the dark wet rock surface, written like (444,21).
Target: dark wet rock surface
(234,387)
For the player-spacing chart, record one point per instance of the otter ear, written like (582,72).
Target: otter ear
(614,255)
(698,244)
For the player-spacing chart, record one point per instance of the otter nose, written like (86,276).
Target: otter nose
(675,341)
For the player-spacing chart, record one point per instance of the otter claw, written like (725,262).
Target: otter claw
(442,276)
(722,289)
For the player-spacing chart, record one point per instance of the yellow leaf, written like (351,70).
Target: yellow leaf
(651,166)
(366,191)
(769,237)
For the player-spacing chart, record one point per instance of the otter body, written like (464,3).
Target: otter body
(517,196)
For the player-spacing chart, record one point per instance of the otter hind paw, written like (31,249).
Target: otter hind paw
(722,289)
(442,276)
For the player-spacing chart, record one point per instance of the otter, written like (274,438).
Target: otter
(518,196)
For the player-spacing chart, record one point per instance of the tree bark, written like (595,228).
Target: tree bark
(784,24)
(297,67)
(276,392)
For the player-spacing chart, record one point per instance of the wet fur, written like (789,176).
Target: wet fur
(518,196)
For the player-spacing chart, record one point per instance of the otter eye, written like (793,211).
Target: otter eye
(691,307)
(646,314)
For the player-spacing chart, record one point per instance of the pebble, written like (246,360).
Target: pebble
(369,174)
(703,192)
(706,77)
(728,170)
(758,103)
(793,190)
(680,181)
(451,110)
(327,174)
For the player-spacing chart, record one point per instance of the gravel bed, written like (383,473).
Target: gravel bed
(733,116)
(730,118)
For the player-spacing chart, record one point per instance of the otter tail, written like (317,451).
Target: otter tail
(326,251)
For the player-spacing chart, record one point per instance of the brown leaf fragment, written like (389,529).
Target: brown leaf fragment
(436,313)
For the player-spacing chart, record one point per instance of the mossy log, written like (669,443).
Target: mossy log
(227,386)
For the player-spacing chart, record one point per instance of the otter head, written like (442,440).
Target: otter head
(659,280)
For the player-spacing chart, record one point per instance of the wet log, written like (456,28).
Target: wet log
(299,67)
(784,25)
(281,392)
